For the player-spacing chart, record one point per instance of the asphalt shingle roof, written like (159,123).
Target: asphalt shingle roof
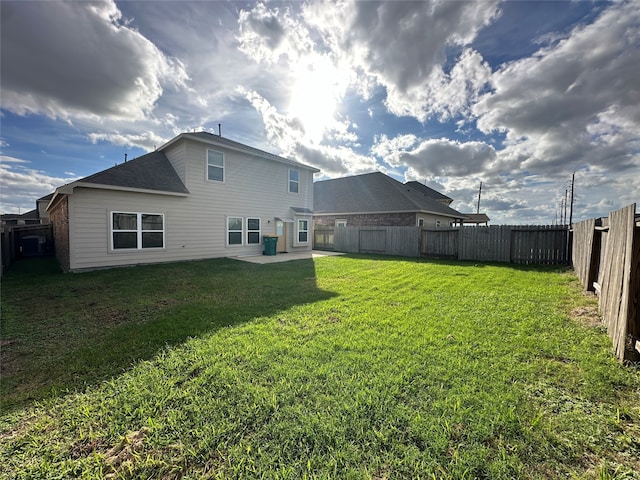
(371,193)
(152,171)
(428,191)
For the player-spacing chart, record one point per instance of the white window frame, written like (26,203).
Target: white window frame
(248,231)
(421,222)
(341,222)
(241,231)
(138,230)
(299,231)
(437,222)
(206,172)
(297,182)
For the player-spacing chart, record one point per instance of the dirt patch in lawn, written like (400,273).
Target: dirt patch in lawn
(587,315)
(125,451)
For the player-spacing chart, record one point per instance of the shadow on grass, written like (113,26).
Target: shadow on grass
(62,332)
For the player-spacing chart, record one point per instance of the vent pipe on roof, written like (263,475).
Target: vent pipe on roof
(219,130)
(125,157)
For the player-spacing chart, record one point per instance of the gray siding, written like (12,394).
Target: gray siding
(195,225)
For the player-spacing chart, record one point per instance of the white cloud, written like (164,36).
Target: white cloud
(267,35)
(446,95)
(282,130)
(574,103)
(440,157)
(386,147)
(287,134)
(21,185)
(76,60)
(400,46)
(147,141)
(403,46)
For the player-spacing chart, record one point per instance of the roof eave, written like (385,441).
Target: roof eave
(68,190)
(131,189)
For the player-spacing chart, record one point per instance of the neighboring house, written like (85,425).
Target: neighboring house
(41,208)
(375,199)
(38,216)
(475,219)
(198,196)
(28,218)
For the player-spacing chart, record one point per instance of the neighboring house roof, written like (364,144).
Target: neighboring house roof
(476,218)
(152,171)
(430,192)
(219,140)
(31,214)
(374,193)
(46,197)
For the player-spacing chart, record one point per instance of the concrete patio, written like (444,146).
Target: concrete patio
(286,257)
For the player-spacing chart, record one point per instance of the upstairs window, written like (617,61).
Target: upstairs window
(215,166)
(135,231)
(253,231)
(294,181)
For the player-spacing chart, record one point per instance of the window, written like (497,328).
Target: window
(421,222)
(253,231)
(437,223)
(215,166)
(234,230)
(136,230)
(294,181)
(341,223)
(303,231)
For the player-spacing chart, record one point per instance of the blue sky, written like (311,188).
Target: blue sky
(517,95)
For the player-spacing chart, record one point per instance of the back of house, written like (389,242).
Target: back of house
(198,196)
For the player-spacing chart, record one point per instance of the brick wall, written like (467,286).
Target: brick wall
(369,220)
(59,217)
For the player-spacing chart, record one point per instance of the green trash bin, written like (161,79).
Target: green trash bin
(270,242)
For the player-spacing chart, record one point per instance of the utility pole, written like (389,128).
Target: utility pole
(479,194)
(565,206)
(573,181)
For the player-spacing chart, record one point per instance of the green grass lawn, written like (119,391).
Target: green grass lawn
(342,367)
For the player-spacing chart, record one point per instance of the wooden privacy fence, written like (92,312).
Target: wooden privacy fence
(401,241)
(545,244)
(606,259)
(516,244)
